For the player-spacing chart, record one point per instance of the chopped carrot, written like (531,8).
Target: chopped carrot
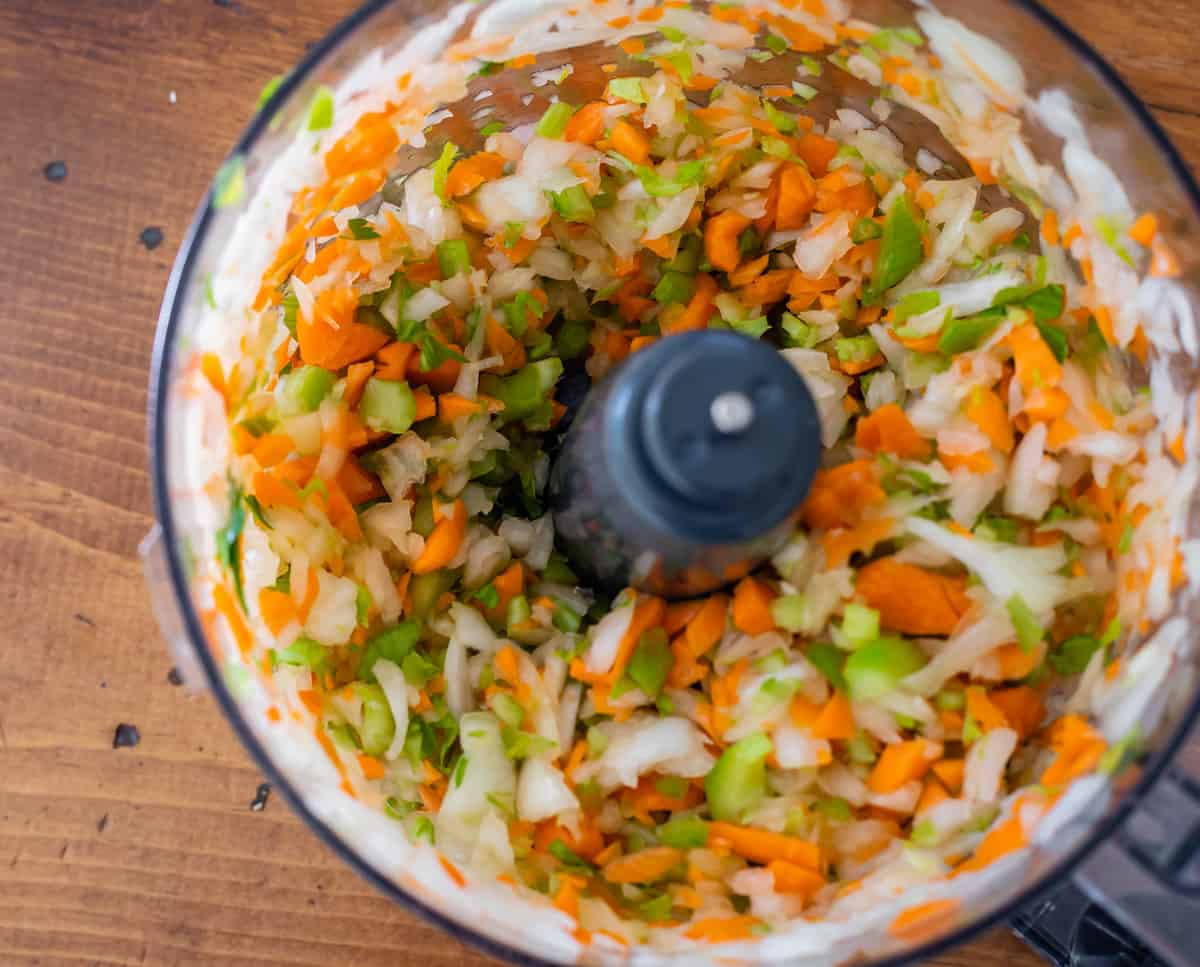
(356,380)
(752,607)
(721,233)
(445,540)
(816,151)
(797,196)
(932,793)
(951,773)
(330,337)
(899,764)
(721,929)
(767,289)
(1046,404)
(273,448)
(986,714)
(1079,748)
(372,768)
(707,627)
(911,599)
(679,614)
(763,846)
(699,309)
(1035,363)
(630,142)
(749,271)
(392,360)
(795,879)
(1144,229)
(426,404)
(838,496)
(451,406)
(586,125)
(1021,706)
(277,608)
(501,342)
(440,379)
(842,544)
(1003,838)
(836,719)
(644,866)
(889,430)
(1015,661)
(471,172)
(986,410)
(924,919)
(1049,229)
(648,613)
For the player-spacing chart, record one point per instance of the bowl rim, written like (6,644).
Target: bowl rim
(162,359)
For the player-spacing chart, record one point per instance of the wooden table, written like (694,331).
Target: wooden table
(152,854)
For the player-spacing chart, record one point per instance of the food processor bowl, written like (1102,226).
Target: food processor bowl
(1130,839)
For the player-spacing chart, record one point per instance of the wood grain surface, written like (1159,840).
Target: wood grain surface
(152,854)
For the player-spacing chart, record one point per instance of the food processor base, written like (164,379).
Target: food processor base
(1069,930)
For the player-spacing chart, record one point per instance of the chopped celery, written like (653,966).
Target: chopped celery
(566,618)
(569,858)
(877,667)
(572,338)
(657,909)
(864,230)
(950,699)
(303,389)
(558,571)
(1025,623)
(1046,302)
(492,127)
(673,287)
(508,710)
(650,662)
(687,259)
(835,808)
(454,258)
(304,651)
(487,595)
(856,349)
(684,832)
(573,204)
(914,304)
(688,173)
(900,251)
(861,749)
(362,605)
(673,787)
(1073,655)
(387,405)
(320,112)
(971,731)
(789,612)
(961,335)
(798,333)
(441,169)
(425,589)
(418,670)
(924,834)
(774,43)
(738,782)
(554,121)
(525,391)
(627,89)
(518,611)
(378,726)
(393,644)
(830,661)
(860,624)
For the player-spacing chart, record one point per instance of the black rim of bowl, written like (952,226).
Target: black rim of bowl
(161,367)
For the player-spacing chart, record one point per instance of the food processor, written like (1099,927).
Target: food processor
(1112,875)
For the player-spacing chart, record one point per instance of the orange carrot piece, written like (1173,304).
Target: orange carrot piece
(277,608)
(372,768)
(721,233)
(842,544)
(752,607)
(471,172)
(838,496)
(356,380)
(272,449)
(648,613)
(898,764)
(445,540)
(836,719)
(451,406)
(699,309)
(330,337)
(1144,229)
(440,379)
(706,629)
(924,919)
(910,599)
(358,484)
(644,866)
(816,151)
(721,929)
(586,125)
(932,793)
(951,773)
(426,404)
(501,342)
(1035,362)
(631,142)
(1021,706)
(767,289)
(980,707)
(889,430)
(1002,839)
(1046,404)
(792,878)
(763,846)
(987,411)
(679,614)
(797,196)
(392,360)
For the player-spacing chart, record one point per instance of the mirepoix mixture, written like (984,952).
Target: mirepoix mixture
(884,705)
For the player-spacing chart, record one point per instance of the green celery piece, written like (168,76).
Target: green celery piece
(362,605)
(900,251)
(425,589)
(875,669)
(522,745)
(378,726)
(569,858)
(738,781)
(1025,622)
(572,339)
(835,808)
(392,643)
(492,127)
(441,169)
(951,699)
(565,618)
(668,186)
(573,204)
(304,388)
(525,390)
(687,259)
(830,661)
(650,662)
(558,571)
(788,611)
(657,909)
(554,121)
(508,710)
(388,405)
(856,349)
(418,670)
(961,335)
(1073,655)
(320,112)
(673,287)
(684,832)
(914,304)
(304,651)
(864,230)
(860,624)
(627,89)
(518,611)
(454,258)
